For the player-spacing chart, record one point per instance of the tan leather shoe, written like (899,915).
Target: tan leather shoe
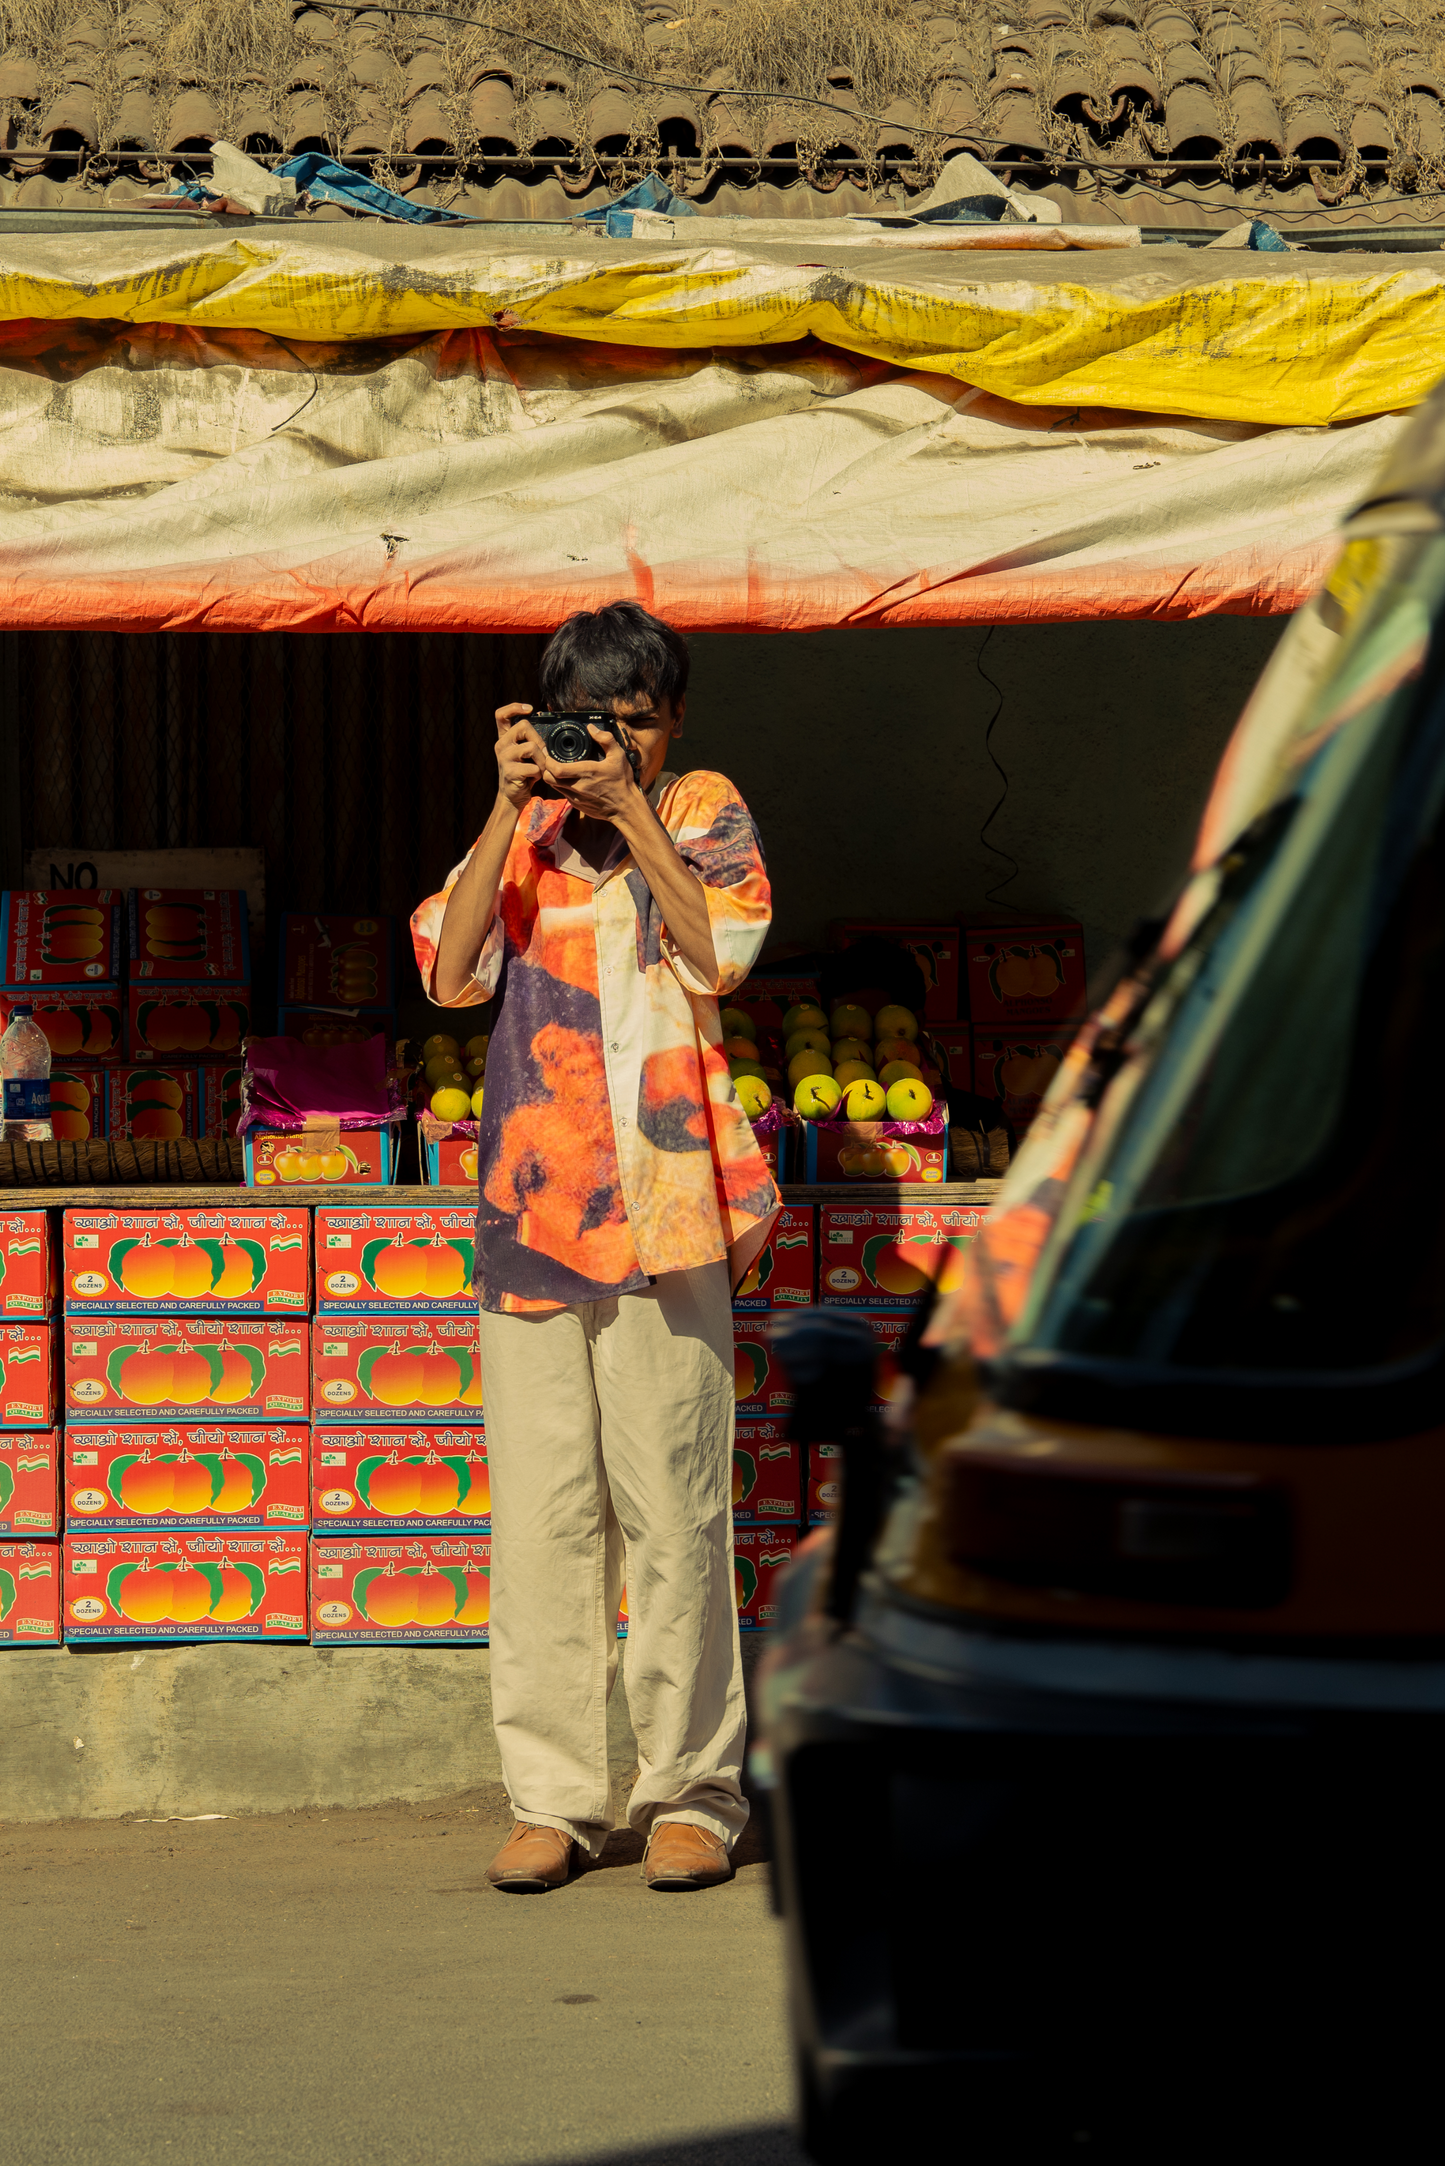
(681,1856)
(531,1860)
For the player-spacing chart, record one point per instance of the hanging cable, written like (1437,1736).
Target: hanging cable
(991,894)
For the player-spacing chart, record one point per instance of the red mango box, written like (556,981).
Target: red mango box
(177,1023)
(189,936)
(1017,1067)
(29,1483)
(359,1155)
(385,1263)
(766,1480)
(151,1105)
(29,1375)
(29,1264)
(400,1481)
(389,1369)
(335,1026)
(235,1263)
(341,962)
(186,1585)
(29,1594)
(413,1591)
(181,1368)
(60,936)
(760,1556)
(935,949)
(85,1024)
(448,1152)
(949,1047)
(77,1104)
(781,1275)
(220,1101)
(825,1484)
(884,1256)
(227,1477)
(910,1152)
(762,1386)
(1024,974)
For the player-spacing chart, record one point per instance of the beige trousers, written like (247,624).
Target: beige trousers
(609,1440)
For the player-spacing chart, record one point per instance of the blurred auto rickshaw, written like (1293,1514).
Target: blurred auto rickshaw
(1104,1733)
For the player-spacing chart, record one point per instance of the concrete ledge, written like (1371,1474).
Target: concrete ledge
(99,1733)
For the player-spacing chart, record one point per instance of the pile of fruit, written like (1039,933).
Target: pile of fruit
(454,1076)
(853,1066)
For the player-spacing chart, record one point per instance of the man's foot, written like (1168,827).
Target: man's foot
(681,1856)
(532,1859)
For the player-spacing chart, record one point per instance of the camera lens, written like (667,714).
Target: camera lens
(569,742)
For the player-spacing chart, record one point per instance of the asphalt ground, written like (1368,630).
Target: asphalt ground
(321,1988)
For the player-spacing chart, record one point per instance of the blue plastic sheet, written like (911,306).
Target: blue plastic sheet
(650,194)
(327,182)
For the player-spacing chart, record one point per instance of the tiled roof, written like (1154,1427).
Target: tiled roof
(90,93)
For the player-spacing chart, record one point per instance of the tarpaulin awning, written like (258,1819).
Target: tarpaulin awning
(411,431)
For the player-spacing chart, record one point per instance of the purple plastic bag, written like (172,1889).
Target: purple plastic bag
(287,1082)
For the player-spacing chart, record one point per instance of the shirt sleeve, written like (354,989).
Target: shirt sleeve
(717,838)
(426,932)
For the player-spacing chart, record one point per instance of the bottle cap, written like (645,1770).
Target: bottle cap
(22,1007)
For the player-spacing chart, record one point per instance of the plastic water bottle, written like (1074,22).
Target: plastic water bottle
(25,1072)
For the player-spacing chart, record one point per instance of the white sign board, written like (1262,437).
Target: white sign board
(69,865)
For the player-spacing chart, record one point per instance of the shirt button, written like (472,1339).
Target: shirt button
(614,1045)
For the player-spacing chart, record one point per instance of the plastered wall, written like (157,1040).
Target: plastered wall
(862,756)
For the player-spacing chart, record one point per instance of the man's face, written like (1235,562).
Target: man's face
(651,725)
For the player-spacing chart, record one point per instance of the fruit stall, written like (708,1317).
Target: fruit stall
(240,1392)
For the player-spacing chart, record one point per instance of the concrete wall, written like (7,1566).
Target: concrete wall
(862,756)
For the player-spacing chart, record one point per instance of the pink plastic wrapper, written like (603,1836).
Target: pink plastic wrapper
(286,1083)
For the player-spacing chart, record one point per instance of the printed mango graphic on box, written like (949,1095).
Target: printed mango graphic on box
(129,1262)
(400,1479)
(380,1261)
(212,1023)
(78,1025)
(173,1476)
(781,1275)
(760,1555)
(140,1368)
(187,1587)
(29,1264)
(887,1256)
(29,1364)
(385,1368)
(433,1587)
(30,1483)
(29,1593)
(766,1479)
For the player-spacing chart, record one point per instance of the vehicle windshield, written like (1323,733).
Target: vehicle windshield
(1272,1198)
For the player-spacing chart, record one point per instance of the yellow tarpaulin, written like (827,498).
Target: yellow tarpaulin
(1281,339)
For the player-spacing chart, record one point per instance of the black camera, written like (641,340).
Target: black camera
(566,738)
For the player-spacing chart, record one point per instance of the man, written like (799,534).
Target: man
(622,1198)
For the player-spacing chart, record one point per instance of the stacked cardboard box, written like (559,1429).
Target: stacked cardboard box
(188,976)
(400,1497)
(62,953)
(337,978)
(29,1438)
(187,1389)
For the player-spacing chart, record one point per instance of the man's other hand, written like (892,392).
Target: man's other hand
(520,757)
(603,789)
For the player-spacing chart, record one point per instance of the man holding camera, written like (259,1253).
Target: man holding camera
(605,907)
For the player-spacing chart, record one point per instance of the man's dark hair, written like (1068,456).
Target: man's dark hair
(620,652)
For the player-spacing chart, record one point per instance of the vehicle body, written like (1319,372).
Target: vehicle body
(1135,1705)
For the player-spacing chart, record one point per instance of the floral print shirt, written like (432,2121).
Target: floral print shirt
(612,1145)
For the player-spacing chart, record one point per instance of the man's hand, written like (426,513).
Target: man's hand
(604,789)
(520,757)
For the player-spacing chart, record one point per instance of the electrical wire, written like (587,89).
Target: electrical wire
(991,894)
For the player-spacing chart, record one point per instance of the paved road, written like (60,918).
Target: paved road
(331,1988)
